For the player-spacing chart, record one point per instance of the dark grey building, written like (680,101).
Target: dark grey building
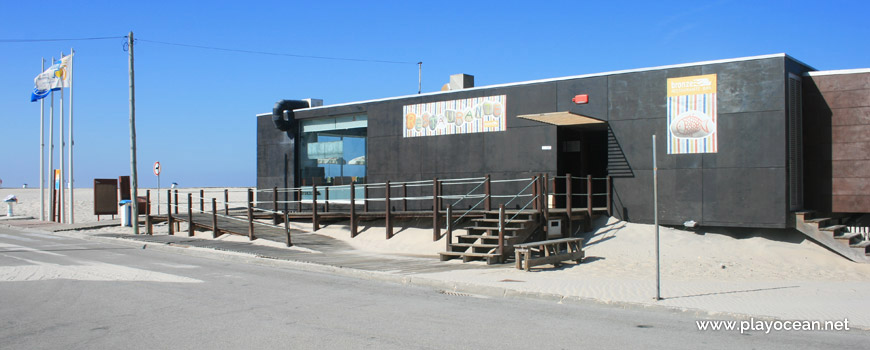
(728,138)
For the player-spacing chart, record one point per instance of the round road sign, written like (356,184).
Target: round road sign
(157,168)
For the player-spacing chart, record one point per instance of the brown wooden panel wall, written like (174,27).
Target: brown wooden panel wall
(837,109)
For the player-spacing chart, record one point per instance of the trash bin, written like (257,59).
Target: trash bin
(126,212)
(10,200)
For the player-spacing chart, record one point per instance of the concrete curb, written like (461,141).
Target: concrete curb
(445,286)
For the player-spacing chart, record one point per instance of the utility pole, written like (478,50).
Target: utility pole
(133,176)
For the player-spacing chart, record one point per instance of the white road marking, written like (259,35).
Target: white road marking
(79,270)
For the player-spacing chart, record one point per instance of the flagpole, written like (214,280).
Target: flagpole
(42,153)
(71,142)
(62,146)
(51,148)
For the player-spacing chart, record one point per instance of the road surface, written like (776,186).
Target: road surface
(60,292)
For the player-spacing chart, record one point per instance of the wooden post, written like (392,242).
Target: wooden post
(314,224)
(190,226)
(535,194)
(366,198)
(275,205)
(440,192)
(149,226)
(568,194)
(569,197)
(169,211)
(387,214)
(176,201)
(201,201)
(546,200)
(501,230)
(589,196)
(353,227)
(287,228)
(214,225)
(250,214)
(404,197)
(436,230)
(609,198)
(326,199)
(227,202)
(299,200)
(449,235)
(487,190)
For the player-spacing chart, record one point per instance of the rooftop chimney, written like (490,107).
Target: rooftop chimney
(460,81)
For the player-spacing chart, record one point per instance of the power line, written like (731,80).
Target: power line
(211,48)
(65,39)
(276,53)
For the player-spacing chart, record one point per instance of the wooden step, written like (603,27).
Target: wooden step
(833,228)
(506,237)
(495,221)
(474,245)
(484,228)
(863,245)
(817,220)
(848,237)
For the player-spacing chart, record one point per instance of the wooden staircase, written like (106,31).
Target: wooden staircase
(830,233)
(481,240)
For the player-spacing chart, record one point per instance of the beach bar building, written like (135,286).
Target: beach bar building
(748,142)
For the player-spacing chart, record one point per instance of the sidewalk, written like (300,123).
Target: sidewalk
(759,278)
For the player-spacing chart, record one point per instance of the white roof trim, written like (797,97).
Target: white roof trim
(681,65)
(840,71)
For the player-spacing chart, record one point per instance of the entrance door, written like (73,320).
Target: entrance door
(582,151)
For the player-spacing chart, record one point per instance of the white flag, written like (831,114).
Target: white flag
(61,74)
(45,82)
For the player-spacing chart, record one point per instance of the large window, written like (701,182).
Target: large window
(332,151)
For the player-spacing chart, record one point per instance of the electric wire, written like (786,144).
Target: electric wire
(275,53)
(63,39)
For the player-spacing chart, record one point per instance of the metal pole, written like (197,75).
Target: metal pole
(656,220)
(158,193)
(133,174)
(62,164)
(419,77)
(42,153)
(51,150)
(71,142)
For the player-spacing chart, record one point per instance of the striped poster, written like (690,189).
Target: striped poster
(692,117)
(465,116)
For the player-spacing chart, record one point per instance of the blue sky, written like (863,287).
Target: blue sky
(195,108)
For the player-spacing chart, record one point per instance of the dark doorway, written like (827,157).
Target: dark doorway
(582,151)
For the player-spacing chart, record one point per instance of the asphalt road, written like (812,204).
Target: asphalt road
(67,293)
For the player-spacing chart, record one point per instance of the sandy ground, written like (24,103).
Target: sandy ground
(758,272)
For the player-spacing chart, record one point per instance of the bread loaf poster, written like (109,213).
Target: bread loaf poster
(692,115)
(466,116)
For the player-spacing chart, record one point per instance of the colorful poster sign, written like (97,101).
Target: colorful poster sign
(692,117)
(465,116)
